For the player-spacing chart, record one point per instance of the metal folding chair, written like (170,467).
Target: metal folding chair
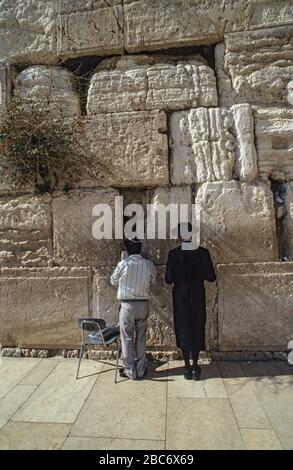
(95,332)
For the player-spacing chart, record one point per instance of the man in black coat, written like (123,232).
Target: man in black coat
(187,269)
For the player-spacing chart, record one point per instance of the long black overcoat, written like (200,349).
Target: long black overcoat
(187,270)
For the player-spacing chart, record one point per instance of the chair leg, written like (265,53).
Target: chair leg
(117,360)
(79,360)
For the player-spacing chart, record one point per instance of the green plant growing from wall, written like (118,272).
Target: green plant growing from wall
(40,151)
(37,150)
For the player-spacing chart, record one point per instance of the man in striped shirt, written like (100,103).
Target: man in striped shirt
(133,276)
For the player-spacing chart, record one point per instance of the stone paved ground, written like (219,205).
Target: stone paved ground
(236,406)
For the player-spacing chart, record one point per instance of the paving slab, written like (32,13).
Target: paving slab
(13,401)
(33,436)
(201,423)
(213,382)
(261,439)
(128,408)
(179,387)
(40,371)
(60,396)
(276,398)
(12,370)
(247,409)
(100,443)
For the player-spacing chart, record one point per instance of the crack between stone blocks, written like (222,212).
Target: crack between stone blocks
(168,117)
(116,15)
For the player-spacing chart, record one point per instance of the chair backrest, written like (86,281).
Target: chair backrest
(91,324)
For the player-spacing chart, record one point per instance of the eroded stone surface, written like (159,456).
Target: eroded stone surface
(43,306)
(28,31)
(137,83)
(90,28)
(202,145)
(237,221)
(256,66)
(274,142)
(52,87)
(74,243)
(128,149)
(25,231)
(155,25)
(255,306)
(210,144)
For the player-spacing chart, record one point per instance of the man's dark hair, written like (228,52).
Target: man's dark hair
(133,247)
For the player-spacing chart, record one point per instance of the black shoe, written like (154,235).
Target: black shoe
(187,373)
(196,372)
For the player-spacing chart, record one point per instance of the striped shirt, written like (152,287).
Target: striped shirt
(133,276)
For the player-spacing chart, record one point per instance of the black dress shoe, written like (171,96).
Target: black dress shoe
(196,372)
(187,373)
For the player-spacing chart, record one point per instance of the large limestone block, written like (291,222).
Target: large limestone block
(246,157)
(25,231)
(137,83)
(90,28)
(52,87)
(28,31)
(255,306)
(209,144)
(39,307)
(73,221)
(237,221)
(157,249)
(160,198)
(274,142)
(128,149)
(256,66)
(160,333)
(154,25)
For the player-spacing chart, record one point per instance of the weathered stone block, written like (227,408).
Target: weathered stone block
(128,149)
(40,307)
(156,25)
(25,231)
(246,157)
(237,221)
(274,142)
(209,144)
(95,28)
(202,145)
(137,83)
(160,333)
(73,220)
(255,306)
(160,324)
(51,87)
(157,249)
(255,66)
(28,31)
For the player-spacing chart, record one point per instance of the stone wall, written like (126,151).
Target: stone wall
(183,101)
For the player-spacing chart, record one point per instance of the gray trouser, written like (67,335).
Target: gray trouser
(133,317)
